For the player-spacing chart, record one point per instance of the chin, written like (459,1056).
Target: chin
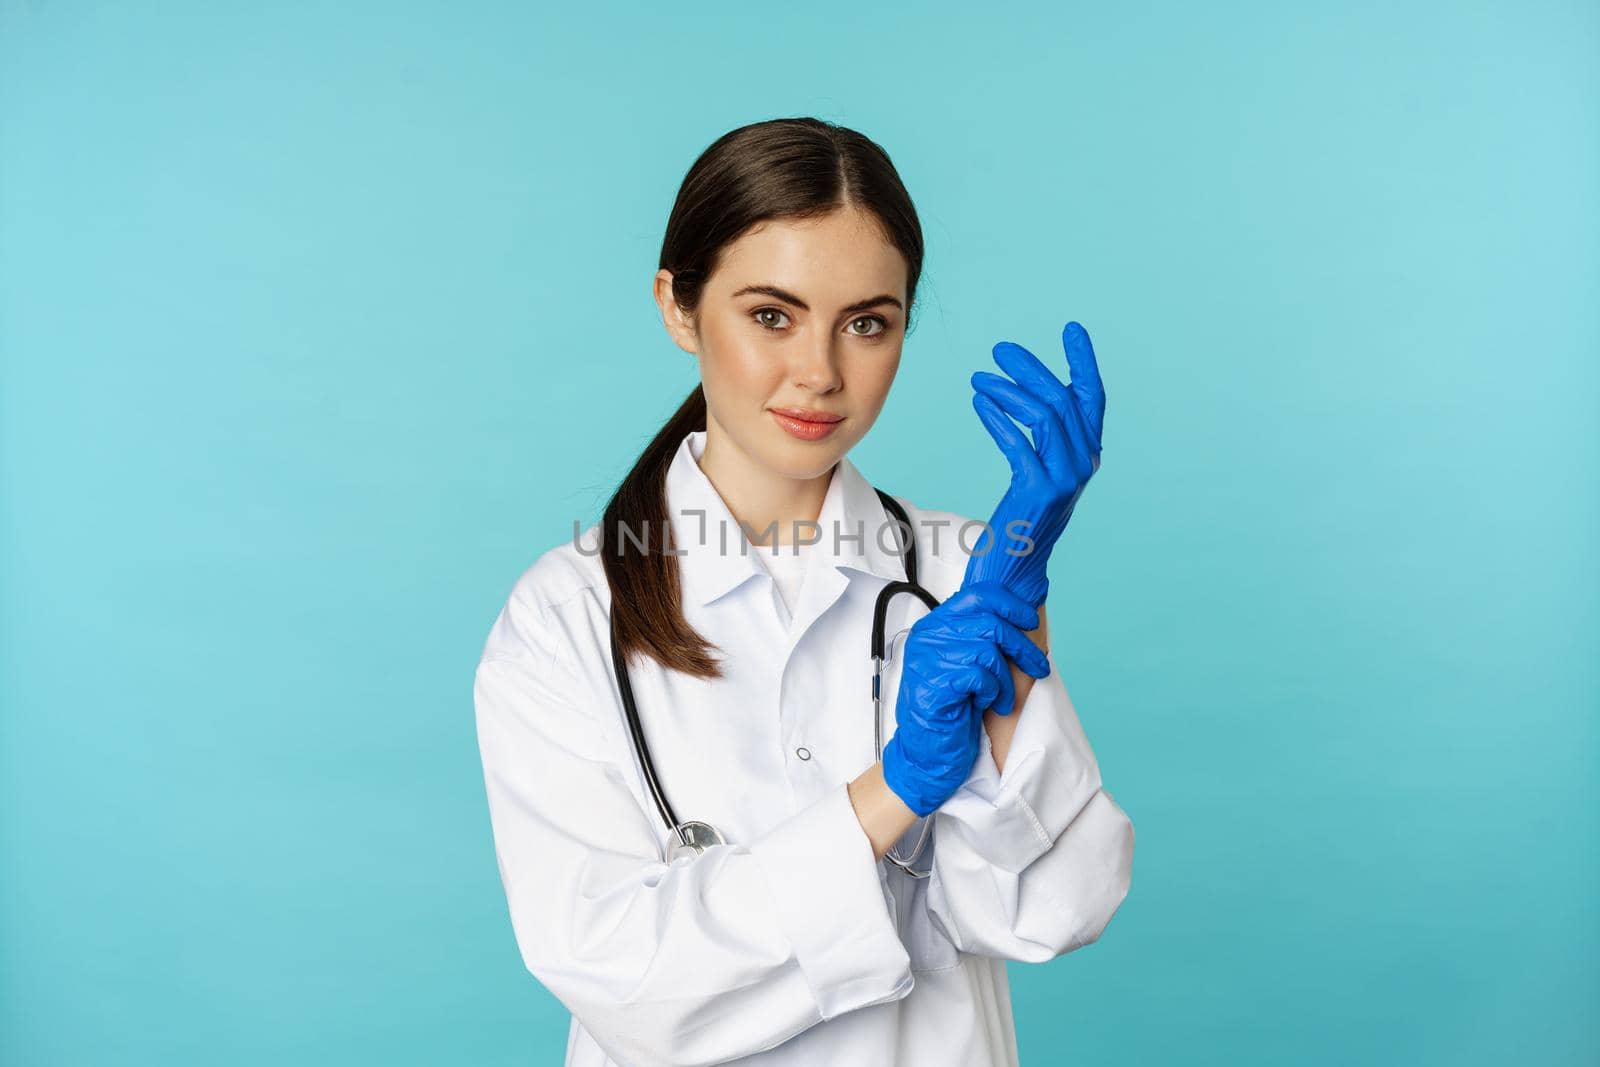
(794,458)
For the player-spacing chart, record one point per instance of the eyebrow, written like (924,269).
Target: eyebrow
(785,295)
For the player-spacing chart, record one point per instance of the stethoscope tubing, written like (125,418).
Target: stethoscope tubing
(879,617)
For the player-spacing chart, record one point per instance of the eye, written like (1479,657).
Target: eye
(883,326)
(758,312)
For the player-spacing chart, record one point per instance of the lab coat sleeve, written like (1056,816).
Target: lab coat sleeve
(1031,863)
(710,958)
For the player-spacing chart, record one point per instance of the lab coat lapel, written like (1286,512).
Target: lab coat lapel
(851,534)
(853,539)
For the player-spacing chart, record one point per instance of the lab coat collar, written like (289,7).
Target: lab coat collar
(717,557)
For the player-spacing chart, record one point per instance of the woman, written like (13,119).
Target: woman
(788,270)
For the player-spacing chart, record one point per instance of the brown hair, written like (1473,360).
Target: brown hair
(789,168)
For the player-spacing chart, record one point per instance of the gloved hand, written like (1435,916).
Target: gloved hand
(1048,476)
(955,665)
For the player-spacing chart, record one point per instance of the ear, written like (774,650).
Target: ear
(679,323)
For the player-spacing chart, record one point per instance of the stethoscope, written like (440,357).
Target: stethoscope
(694,836)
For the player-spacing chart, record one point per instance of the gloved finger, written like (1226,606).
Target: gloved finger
(1014,646)
(991,632)
(978,666)
(1008,692)
(1082,453)
(1071,465)
(1086,384)
(992,387)
(993,597)
(1038,414)
(944,679)
(987,678)
(1086,447)
(1031,373)
(936,678)
(1020,649)
(936,697)
(1017,449)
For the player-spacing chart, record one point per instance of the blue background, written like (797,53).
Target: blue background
(318,324)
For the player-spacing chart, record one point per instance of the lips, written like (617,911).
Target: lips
(806,424)
(808,415)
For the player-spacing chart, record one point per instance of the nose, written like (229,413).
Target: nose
(817,368)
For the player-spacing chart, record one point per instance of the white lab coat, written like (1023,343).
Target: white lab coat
(789,945)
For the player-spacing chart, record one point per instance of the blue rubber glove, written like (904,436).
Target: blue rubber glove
(955,666)
(1048,476)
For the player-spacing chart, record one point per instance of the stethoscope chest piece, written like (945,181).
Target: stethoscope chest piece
(695,838)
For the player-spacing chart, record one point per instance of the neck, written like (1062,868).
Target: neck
(769,504)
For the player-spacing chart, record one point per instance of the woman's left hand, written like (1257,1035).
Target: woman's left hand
(1047,476)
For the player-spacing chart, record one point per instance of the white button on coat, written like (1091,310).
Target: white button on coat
(789,945)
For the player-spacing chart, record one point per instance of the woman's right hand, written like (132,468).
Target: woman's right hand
(955,667)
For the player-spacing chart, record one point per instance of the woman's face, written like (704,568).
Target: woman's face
(805,317)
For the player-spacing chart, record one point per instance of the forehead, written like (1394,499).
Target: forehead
(838,258)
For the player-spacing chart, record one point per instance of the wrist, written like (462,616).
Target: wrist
(883,815)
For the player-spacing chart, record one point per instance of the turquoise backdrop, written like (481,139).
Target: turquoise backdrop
(318,323)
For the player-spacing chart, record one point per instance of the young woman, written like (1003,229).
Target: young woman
(742,901)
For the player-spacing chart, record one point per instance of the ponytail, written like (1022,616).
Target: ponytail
(646,594)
